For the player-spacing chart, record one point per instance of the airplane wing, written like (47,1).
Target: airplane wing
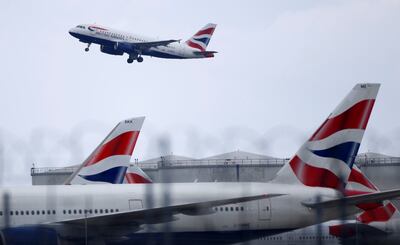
(146,45)
(158,215)
(354,200)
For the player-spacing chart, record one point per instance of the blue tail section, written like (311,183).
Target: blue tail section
(113,176)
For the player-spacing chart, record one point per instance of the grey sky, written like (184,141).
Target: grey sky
(281,68)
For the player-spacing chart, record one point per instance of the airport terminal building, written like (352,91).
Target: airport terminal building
(235,166)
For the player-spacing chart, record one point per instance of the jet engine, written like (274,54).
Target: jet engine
(111,50)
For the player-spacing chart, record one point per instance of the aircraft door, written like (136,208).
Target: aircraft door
(264,209)
(135,204)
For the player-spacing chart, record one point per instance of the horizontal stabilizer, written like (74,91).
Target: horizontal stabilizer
(355,200)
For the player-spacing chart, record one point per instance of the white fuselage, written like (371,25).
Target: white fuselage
(49,204)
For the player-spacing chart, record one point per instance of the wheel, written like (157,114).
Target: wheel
(86,49)
(129,60)
(140,59)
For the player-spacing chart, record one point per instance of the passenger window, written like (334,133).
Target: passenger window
(37,212)
(226,209)
(237,208)
(43,212)
(33,212)
(231,208)
(95,211)
(69,211)
(11,212)
(74,211)
(101,211)
(16,212)
(27,212)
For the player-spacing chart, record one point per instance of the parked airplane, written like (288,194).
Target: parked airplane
(201,212)
(116,42)
(379,223)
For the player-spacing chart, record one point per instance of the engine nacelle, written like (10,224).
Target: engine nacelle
(124,47)
(111,50)
(29,235)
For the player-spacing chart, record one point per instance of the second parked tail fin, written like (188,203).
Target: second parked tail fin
(110,160)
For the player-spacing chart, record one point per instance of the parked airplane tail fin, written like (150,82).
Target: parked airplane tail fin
(135,175)
(326,158)
(202,38)
(110,160)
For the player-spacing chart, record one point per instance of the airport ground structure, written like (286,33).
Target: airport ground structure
(235,166)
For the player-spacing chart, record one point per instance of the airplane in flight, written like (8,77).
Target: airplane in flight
(214,213)
(115,42)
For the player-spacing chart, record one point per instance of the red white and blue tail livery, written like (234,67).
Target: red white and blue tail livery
(326,159)
(116,42)
(110,160)
(135,175)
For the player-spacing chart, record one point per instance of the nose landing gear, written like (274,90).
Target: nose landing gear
(87,48)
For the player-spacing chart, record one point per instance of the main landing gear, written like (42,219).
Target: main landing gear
(134,57)
(87,48)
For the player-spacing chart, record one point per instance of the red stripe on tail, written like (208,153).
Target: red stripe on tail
(133,178)
(209,31)
(123,144)
(314,176)
(383,213)
(356,117)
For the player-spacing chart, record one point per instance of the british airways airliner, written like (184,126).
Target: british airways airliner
(116,42)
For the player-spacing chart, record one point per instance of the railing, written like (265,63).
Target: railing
(381,161)
(275,162)
(212,162)
(47,170)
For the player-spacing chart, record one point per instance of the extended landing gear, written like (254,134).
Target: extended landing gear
(87,48)
(133,58)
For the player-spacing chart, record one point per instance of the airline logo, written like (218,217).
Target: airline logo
(96,28)
(110,161)
(326,159)
(201,39)
(135,175)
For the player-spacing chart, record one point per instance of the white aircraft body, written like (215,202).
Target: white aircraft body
(199,213)
(116,42)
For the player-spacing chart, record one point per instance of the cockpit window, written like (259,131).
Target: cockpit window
(80,26)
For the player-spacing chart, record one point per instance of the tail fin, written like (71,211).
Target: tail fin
(135,175)
(202,38)
(110,160)
(325,160)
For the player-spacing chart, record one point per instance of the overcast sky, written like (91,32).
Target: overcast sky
(282,67)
